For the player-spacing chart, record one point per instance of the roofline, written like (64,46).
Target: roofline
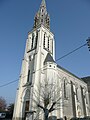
(69,72)
(40,26)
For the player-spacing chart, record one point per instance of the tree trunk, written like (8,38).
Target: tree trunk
(46,114)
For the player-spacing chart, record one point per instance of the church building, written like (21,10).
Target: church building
(39,65)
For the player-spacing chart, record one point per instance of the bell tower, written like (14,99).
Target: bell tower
(40,43)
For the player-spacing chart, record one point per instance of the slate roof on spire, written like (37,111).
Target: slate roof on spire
(49,58)
(42,17)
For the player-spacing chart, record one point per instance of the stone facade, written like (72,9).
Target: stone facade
(39,63)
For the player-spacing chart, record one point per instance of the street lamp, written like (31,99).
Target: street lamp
(88,43)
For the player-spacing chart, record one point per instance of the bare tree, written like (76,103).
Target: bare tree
(11,107)
(47,97)
(2,104)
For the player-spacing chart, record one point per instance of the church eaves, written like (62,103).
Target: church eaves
(68,72)
(42,17)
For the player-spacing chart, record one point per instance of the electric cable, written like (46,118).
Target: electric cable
(11,82)
(71,52)
(43,67)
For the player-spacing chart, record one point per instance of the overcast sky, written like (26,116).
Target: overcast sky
(70,23)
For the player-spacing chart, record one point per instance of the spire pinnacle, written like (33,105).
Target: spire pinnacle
(43,3)
(42,17)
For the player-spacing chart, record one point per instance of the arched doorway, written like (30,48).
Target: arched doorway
(25,102)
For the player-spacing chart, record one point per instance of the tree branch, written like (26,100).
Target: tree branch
(41,107)
(51,108)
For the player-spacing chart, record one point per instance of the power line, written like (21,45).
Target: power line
(43,67)
(11,82)
(18,79)
(71,52)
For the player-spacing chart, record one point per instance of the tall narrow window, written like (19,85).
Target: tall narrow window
(86,98)
(77,93)
(28,75)
(41,20)
(27,106)
(44,41)
(48,43)
(65,89)
(73,100)
(36,39)
(83,100)
(32,41)
(52,45)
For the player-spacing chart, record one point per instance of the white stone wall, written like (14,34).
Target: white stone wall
(77,84)
(35,65)
(73,91)
(58,76)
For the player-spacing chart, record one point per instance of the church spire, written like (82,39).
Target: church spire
(43,3)
(42,17)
